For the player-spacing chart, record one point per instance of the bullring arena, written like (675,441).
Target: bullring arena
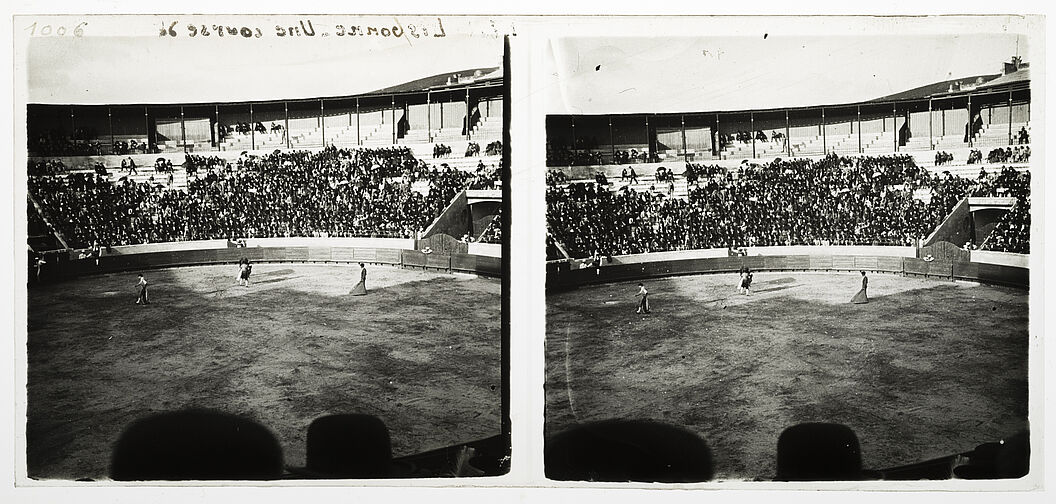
(913,382)
(290,348)
(293,375)
(701,270)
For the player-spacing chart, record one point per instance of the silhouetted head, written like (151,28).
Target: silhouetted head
(818,452)
(628,450)
(348,446)
(196,445)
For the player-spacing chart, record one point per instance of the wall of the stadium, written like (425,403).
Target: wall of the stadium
(873,126)
(565,275)
(955,121)
(62,267)
(169,129)
(456,219)
(342,120)
(918,125)
(698,139)
(418,116)
(767,251)
(303,124)
(486,249)
(491,107)
(995,115)
(373,118)
(1001,258)
(234,115)
(1020,113)
(395,243)
(834,250)
(669,256)
(838,129)
(668,140)
(166,247)
(454,114)
(198,130)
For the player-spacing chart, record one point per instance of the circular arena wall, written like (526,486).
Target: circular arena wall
(985,267)
(482,259)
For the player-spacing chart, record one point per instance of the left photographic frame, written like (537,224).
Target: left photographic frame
(262,248)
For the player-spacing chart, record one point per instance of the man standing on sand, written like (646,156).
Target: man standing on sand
(142,286)
(643,305)
(361,288)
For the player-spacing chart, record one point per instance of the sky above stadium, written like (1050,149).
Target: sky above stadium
(596,75)
(136,65)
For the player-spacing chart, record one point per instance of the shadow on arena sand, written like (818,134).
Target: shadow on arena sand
(421,352)
(926,369)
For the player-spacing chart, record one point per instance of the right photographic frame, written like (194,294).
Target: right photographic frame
(794,255)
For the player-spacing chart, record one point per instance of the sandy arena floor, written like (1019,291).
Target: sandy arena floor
(421,351)
(926,369)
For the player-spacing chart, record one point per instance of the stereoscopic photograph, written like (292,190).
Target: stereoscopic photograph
(778,255)
(263,247)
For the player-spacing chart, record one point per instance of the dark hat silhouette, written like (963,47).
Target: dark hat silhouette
(1007,459)
(348,446)
(196,445)
(628,450)
(818,452)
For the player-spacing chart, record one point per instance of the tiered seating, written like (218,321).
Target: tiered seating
(488,129)
(996,135)
(365,192)
(739,150)
(885,200)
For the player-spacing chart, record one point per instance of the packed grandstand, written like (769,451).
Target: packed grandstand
(882,172)
(334,192)
(882,200)
(352,167)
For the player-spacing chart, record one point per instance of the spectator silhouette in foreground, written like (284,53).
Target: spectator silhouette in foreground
(628,450)
(819,452)
(196,445)
(348,446)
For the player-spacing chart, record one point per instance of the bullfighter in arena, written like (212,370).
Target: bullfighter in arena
(361,288)
(142,287)
(862,297)
(643,305)
(244,270)
(746,282)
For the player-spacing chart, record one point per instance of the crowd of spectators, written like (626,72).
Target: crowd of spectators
(46,167)
(63,145)
(831,201)
(440,150)
(942,158)
(975,156)
(1023,136)
(122,147)
(747,137)
(1012,233)
(245,128)
(193,162)
(334,192)
(631,156)
(493,233)
(493,148)
(1019,154)
(564,156)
